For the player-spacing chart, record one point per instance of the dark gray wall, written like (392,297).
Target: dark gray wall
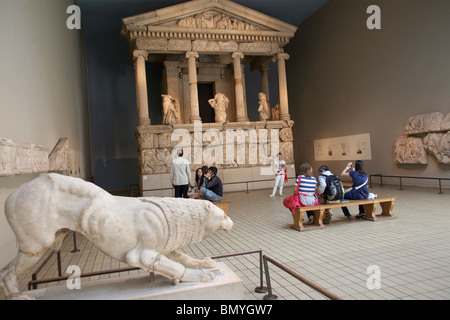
(345,79)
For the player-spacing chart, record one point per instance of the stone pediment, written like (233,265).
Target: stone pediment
(214,20)
(208,19)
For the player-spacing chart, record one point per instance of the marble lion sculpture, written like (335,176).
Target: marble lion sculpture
(143,232)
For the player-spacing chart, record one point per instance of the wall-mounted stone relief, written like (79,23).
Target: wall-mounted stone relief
(25,158)
(410,150)
(438,144)
(424,123)
(425,134)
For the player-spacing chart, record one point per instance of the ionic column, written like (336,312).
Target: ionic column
(193,91)
(282,86)
(141,87)
(265,82)
(239,89)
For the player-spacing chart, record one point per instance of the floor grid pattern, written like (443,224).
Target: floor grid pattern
(412,252)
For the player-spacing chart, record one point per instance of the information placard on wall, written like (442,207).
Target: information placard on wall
(351,148)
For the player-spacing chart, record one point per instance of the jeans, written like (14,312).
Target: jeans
(279,179)
(209,195)
(181,191)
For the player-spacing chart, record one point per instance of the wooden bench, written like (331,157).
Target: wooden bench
(370,205)
(224,205)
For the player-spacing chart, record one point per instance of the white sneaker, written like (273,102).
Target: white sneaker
(271,195)
(281,194)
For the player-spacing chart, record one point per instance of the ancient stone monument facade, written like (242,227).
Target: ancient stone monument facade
(208,42)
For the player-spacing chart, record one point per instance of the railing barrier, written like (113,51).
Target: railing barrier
(260,289)
(381,176)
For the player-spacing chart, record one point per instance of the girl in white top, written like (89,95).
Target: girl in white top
(279,168)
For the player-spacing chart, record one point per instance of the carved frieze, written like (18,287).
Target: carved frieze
(22,158)
(424,123)
(410,150)
(438,144)
(214,46)
(25,158)
(61,156)
(259,47)
(445,124)
(232,147)
(155,161)
(286,135)
(424,133)
(214,20)
(152,44)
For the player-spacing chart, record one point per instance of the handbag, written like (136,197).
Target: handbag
(292,202)
(295,200)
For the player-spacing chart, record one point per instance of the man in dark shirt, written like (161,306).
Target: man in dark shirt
(212,189)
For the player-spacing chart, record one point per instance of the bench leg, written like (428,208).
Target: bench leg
(370,211)
(298,220)
(386,208)
(318,218)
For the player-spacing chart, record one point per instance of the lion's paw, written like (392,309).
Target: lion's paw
(208,263)
(198,275)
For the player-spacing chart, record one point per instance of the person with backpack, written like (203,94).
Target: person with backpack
(330,189)
(330,186)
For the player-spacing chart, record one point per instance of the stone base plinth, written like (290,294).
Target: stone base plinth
(226,286)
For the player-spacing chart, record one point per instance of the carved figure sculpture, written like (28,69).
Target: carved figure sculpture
(424,123)
(409,150)
(170,110)
(143,232)
(438,144)
(276,112)
(220,106)
(424,133)
(264,113)
(445,124)
(213,20)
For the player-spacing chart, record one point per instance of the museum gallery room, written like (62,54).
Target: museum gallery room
(110,110)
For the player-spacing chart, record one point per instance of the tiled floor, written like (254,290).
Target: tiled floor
(412,252)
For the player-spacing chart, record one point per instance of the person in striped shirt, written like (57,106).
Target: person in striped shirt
(307,188)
